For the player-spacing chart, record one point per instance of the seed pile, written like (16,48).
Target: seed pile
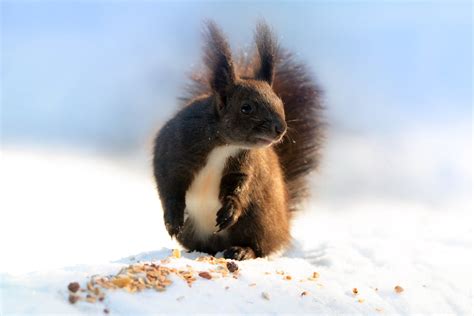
(156,276)
(140,276)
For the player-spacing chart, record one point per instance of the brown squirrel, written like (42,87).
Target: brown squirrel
(231,166)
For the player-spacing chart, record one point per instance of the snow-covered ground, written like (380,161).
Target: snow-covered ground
(66,218)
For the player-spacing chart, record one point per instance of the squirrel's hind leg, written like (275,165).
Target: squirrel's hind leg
(239,253)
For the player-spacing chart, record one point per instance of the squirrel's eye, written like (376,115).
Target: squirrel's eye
(246,108)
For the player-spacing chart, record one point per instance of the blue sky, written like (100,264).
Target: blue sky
(102,76)
(106,73)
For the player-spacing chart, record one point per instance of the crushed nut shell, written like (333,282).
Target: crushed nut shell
(266,296)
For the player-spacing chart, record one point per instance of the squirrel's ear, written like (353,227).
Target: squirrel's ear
(267,48)
(218,59)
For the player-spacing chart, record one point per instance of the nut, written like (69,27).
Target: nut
(205,275)
(232,266)
(73,287)
(73,298)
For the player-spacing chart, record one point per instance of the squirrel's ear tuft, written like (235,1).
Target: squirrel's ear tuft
(267,48)
(218,59)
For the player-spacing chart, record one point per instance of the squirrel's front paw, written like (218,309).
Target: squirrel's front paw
(174,225)
(228,214)
(173,229)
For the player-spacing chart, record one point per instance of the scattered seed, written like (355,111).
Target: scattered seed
(96,291)
(266,296)
(399,289)
(232,266)
(90,286)
(176,253)
(73,287)
(122,281)
(355,291)
(314,276)
(287,277)
(304,293)
(205,275)
(73,298)
(90,298)
(360,300)
(106,311)
(252,284)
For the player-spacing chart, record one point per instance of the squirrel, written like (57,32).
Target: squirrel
(231,166)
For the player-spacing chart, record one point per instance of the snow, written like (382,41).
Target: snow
(72,216)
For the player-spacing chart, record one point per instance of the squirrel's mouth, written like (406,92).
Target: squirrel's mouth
(264,140)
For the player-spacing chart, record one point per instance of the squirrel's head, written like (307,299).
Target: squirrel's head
(250,113)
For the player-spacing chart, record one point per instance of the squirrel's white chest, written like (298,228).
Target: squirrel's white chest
(202,196)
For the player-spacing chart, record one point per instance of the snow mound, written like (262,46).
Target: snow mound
(106,213)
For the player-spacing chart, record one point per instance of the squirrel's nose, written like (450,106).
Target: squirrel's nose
(279,127)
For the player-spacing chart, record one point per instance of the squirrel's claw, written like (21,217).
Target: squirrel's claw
(174,229)
(226,217)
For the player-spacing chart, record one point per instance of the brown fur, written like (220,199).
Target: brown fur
(261,184)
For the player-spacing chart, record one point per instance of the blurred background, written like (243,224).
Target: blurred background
(86,84)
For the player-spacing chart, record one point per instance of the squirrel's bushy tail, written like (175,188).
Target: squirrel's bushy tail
(299,150)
